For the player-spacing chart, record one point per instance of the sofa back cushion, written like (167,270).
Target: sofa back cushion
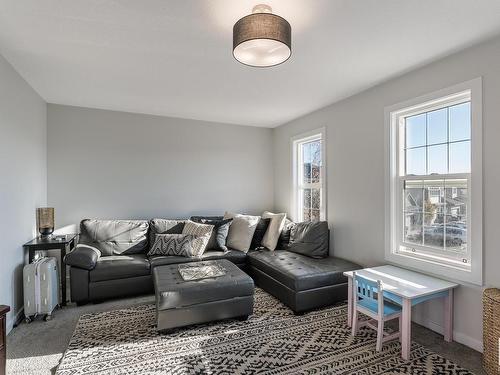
(115,237)
(164,226)
(199,219)
(310,239)
(284,239)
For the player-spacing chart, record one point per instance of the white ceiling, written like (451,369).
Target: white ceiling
(173,57)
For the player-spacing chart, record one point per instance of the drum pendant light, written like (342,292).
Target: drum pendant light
(262,39)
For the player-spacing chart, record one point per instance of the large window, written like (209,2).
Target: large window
(434,220)
(309,177)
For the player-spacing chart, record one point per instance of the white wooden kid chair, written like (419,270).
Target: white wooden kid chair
(369,299)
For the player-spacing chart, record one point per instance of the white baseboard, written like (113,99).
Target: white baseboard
(457,336)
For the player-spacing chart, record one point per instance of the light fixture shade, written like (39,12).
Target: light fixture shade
(262,39)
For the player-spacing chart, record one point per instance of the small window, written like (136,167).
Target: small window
(435,201)
(309,177)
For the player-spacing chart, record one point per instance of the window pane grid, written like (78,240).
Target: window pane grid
(436,142)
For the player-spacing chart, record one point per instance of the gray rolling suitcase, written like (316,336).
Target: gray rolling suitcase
(41,288)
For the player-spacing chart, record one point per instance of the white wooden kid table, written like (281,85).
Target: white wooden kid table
(406,288)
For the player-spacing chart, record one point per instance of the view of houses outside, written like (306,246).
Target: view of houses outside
(436,213)
(437,146)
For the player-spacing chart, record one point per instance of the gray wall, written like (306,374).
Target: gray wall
(23,165)
(355,171)
(110,164)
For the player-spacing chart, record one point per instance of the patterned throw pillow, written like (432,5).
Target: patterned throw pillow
(164,226)
(173,244)
(202,232)
(219,234)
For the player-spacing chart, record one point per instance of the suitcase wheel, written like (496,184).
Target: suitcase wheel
(48,317)
(28,320)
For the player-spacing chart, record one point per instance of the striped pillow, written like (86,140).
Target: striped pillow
(201,232)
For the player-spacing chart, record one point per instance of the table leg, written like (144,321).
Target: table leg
(63,277)
(448,316)
(349,301)
(406,329)
(31,255)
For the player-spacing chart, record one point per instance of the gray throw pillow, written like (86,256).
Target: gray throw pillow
(173,244)
(218,238)
(310,239)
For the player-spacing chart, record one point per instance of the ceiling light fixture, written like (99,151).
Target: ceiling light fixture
(262,39)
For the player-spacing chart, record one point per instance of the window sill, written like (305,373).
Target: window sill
(472,276)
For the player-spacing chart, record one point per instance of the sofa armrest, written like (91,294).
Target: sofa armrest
(83,256)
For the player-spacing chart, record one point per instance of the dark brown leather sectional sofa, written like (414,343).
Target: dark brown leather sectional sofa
(121,266)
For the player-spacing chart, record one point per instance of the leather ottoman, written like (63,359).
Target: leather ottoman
(181,303)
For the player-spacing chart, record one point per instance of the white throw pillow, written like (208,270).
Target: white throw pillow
(201,232)
(270,239)
(241,231)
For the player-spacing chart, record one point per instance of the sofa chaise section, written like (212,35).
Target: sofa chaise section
(300,282)
(111,261)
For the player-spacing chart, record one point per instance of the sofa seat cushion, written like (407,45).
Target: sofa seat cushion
(299,272)
(172,292)
(120,267)
(235,256)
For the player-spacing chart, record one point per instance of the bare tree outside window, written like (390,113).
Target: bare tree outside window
(310,179)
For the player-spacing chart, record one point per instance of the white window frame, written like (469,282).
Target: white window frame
(470,272)
(296,142)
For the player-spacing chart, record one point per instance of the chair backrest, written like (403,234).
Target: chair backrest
(368,289)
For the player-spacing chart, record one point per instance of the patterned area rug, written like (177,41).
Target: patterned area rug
(272,341)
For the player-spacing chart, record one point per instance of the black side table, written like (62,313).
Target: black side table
(66,242)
